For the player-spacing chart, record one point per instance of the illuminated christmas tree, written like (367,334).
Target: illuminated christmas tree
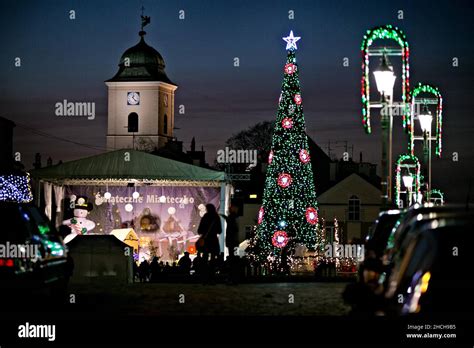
(289,214)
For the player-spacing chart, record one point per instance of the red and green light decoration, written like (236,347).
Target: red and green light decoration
(434,91)
(289,214)
(411,161)
(436,196)
(387,32)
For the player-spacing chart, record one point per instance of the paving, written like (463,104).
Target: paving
(151,299)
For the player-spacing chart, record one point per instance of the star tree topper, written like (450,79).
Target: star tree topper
(291,41)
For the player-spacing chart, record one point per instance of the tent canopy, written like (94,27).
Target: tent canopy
(126,164)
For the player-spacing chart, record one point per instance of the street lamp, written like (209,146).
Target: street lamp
(425,118)
(384,77)
(408,182)
(385,80)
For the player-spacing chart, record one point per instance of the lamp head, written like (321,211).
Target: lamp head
(384,77)
(408,181)
(425,119)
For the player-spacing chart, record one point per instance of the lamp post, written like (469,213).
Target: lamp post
(408,182)
(425,118)
(385,80)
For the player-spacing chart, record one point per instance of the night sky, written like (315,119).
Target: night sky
(71,59)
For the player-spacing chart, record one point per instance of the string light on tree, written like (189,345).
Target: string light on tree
(289,199)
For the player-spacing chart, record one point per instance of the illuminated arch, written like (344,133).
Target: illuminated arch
(436,196)
(406,160)
(390,33)
(426,88)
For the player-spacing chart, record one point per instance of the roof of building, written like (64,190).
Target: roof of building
(354,183)
(141,63)
(127,164)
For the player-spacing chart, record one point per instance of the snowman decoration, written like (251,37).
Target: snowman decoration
(79,224)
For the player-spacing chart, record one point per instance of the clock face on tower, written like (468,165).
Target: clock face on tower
(133,98)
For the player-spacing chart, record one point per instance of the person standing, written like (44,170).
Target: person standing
(232,242)
(210,228)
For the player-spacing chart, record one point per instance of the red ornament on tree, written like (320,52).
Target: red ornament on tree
(284,180)
(290,68)
(280,239)
(312,216)
(297,98)
(304,156)
(260,215)
(287,123)
(270,157)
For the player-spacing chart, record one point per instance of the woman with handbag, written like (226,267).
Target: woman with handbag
(208,244)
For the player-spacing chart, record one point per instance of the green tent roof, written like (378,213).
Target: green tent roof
(114,165)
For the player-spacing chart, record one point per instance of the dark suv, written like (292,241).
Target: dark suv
(33,258)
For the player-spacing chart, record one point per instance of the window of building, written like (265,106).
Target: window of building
(354,209)
(165,124)
(133,122)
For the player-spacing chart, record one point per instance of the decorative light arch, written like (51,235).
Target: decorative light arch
(404,161)
(436,195)
(426,88)
(391,33)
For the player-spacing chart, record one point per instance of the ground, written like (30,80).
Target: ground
(245,299)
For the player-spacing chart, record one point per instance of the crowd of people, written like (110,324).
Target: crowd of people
(209,264)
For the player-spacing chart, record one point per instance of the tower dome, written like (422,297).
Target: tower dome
(141,63)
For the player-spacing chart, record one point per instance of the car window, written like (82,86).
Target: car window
(15,223)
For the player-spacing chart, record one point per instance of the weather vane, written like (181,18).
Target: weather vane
(291,41)
(145,20)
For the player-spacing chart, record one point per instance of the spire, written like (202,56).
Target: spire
(193,145)
(145,20)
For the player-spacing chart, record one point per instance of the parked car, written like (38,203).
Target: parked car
(33,257)
(433,276)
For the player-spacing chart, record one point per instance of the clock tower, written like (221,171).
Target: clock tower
(140,99)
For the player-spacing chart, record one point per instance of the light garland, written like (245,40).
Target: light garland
(260,215)
(280,239)
(336,231)
(426,88)
(312,216)
(439,193)
(390,33)
(399,164)
(287,123)
(284,180)
(304,156)
(15,188)
(270,157)
(290,68)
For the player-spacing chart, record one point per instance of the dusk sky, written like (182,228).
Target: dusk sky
(70,59)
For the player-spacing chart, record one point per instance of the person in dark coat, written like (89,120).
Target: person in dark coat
(210,229)
(232,242)
(155,270)
(144,271)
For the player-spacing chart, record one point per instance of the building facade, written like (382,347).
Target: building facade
(140,100)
